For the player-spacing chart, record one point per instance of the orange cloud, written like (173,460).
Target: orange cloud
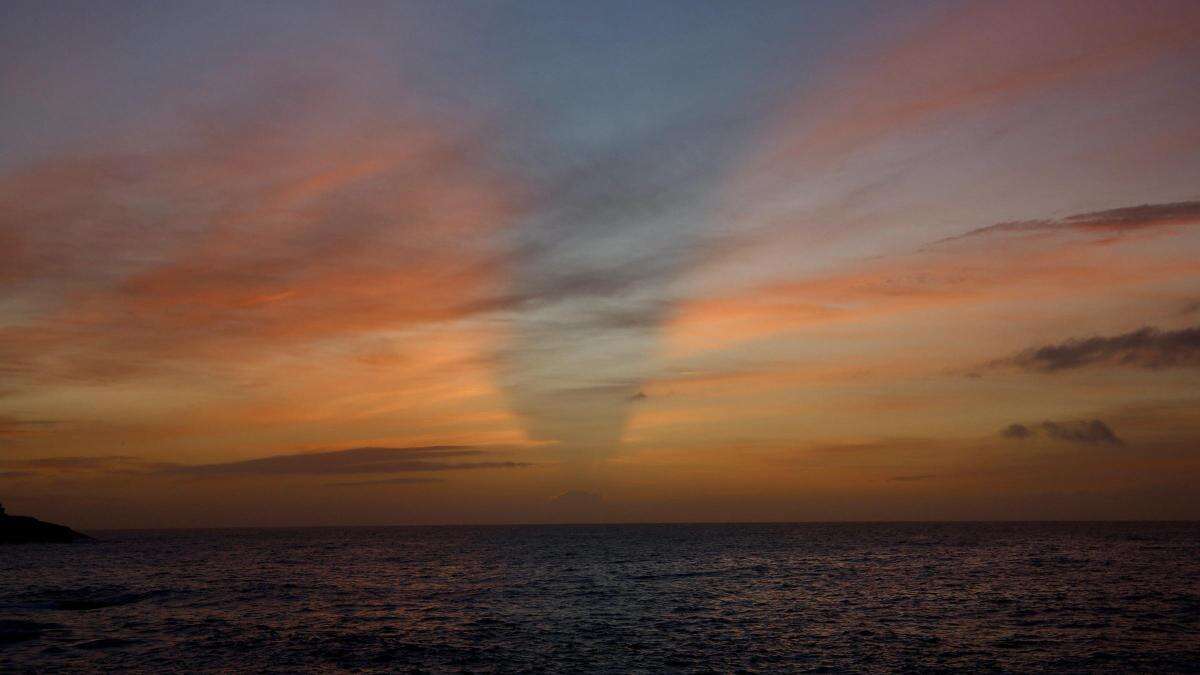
(980,54)
(234,273)
(241,239)
(932,278)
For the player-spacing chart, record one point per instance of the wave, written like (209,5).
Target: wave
(84,598)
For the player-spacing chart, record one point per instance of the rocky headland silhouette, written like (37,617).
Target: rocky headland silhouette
(29,530)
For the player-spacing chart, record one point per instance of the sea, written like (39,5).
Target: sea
(1078,597)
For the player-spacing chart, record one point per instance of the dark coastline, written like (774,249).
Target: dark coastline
(29,530)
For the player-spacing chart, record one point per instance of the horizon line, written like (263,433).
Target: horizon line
(1108,521)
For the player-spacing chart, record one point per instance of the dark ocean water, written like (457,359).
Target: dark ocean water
(863,597)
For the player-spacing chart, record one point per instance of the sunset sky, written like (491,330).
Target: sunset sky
(297,263)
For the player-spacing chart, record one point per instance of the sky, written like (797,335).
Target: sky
(316,263)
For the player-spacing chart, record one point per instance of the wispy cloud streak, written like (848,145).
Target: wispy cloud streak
(1149,348)
(351,461)
(1114,221)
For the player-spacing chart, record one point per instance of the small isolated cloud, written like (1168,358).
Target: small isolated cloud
(640,396)
(1148,348)
(575,498)
(1016,431)
(1090,432)
(1086,432)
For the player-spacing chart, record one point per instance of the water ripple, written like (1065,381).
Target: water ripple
(1001,597)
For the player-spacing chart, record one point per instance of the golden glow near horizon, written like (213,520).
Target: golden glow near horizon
(455,266)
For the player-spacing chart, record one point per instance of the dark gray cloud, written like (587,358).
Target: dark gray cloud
(352,461)
(1016,431)
(1086,432)
(1091,432)
(1137,217)
(1112,221)
(1148,347)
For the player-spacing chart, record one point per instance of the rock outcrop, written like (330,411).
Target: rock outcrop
(27,530)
